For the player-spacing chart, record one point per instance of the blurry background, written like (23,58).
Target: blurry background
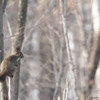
(44,48)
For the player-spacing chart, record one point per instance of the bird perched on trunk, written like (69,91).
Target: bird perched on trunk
(9,64)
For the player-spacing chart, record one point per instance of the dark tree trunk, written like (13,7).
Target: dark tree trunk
(18,39)
(3,87)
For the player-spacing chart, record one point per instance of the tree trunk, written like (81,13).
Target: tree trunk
(18,40)
(83,52)
(3,87)
(11,94)
(95,53)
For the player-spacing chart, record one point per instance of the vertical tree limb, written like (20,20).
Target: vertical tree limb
(11,94)
(57,93)
(94,61)
(95,52)
(3,87)
(1,32)
(83,52)
(18,40)
(53,43)
(70,73)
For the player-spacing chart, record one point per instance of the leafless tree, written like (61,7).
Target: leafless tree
(18,40)
(3,86)
(51,70)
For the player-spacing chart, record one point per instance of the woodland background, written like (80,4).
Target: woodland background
(61,46)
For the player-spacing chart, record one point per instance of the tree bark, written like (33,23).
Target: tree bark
(4,5)
(71,95)
(18,40)
(11,94)
(3,86)
(95,53)
(83,53)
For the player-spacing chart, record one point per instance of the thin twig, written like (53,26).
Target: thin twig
(32,27)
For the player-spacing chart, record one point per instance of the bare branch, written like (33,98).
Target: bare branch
(95,52)
(8,23)
(18,40)
(53,42)
(57,93)
(70,73)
